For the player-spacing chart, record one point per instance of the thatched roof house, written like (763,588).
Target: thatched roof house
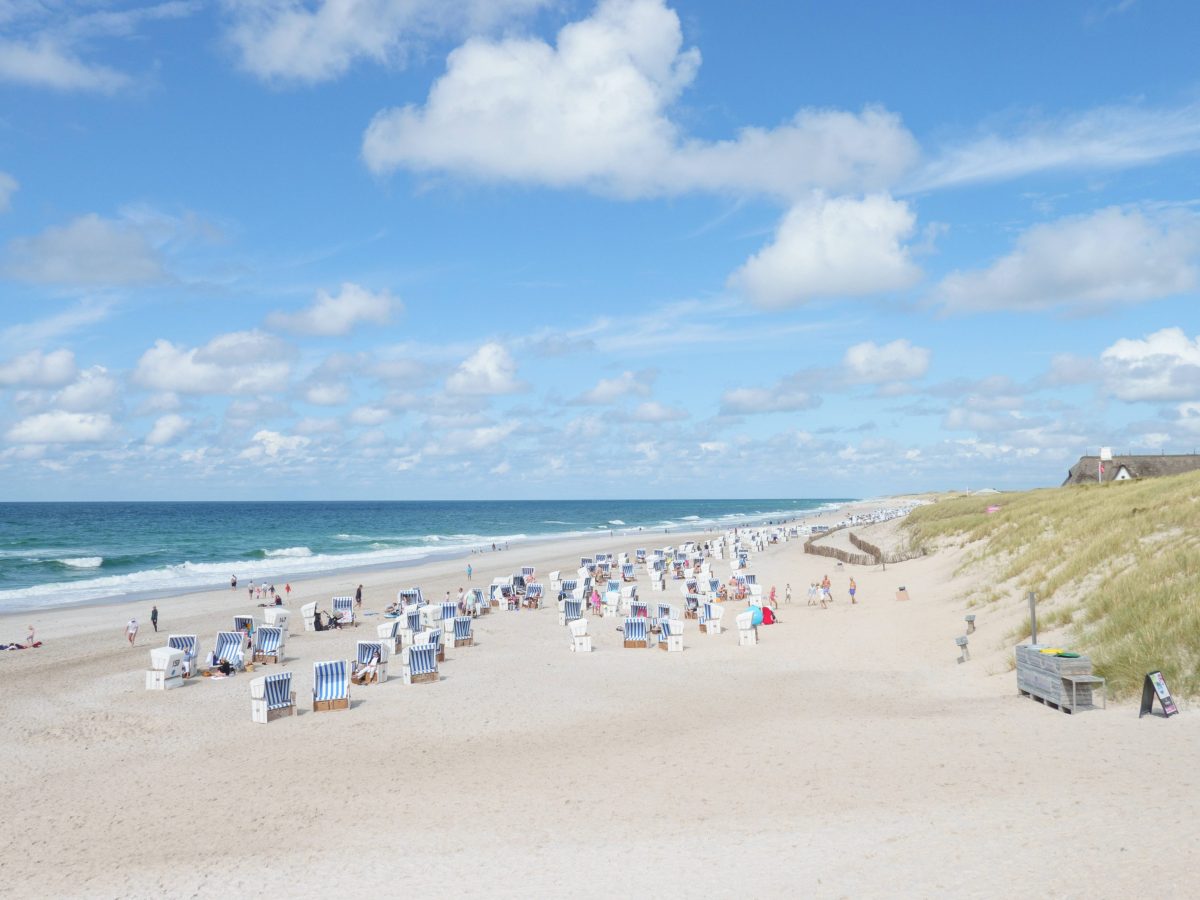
(1126,468)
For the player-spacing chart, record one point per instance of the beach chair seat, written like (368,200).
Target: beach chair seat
(331,685)
(635,633)
(389,633)
(459,633)
(228,646)
(272,697)
(190,645)
(671,635)
(581,641)
(747,633)
(371,662)
(710,618)
(269,642)
(419,664)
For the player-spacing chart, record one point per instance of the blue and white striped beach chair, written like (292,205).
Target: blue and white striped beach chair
(670,636)
(664,611)
(434,638)
(228,646)
(410,626)
(462,635)
(710,619)
(569,587)
(627,572)
(449,609)
(269,643)
(371,665)
(586,562)
(243,623)
(533,594)
(640,555)
(751,579)
(639,610)
(272,697)
(190,646)
(389,633)
(410,596)
(635,633)
(420,664)
(572,610)
(343,608)
(331,685)
(527,572)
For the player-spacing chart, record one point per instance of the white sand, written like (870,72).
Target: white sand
(846,755)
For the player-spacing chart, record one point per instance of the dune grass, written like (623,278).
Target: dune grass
(1118,564)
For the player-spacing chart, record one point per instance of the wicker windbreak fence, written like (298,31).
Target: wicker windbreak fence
(855,559)
(869,549)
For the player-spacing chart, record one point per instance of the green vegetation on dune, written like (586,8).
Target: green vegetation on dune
(1119,564)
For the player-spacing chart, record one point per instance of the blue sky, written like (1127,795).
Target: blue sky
(529,248)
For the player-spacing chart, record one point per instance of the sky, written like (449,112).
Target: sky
(491,249)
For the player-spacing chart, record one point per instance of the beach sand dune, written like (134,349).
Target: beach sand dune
(847,754)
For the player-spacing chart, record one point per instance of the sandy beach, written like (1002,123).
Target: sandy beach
(848,754)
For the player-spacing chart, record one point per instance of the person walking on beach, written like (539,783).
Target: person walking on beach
(131,630)
(468,571)
(233,582)
(154,618)
(826,589)
(287,589)
(787,593)
(358,597)
(853,589)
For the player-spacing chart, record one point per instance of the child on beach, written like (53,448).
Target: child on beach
(787,593)
(853,590)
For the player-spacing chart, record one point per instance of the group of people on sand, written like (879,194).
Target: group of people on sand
(31,641)
(821,592)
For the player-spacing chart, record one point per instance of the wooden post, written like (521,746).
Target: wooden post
(1033,617)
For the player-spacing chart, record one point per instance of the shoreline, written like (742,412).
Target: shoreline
(26,606)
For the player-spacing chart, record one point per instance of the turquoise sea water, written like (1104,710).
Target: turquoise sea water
(61,553)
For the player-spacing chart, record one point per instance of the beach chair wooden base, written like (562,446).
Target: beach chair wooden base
(326,705)
(259,712)
(637,645)
(427,678)
(464,642)
(263,657)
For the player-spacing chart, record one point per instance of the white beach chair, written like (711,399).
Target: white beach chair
(635,633)
(671,637)
(533,594)
(331,685)
(434,637)
(747,633)
(410,625)
(572,610)
(389,632)
(272,697)
(419,664)
(710,618)
(277,615)
(309,613)
(166,669)
(555,579)
(269,642)
(458,632)
(228,646)
(343,608)
(371,662)
(581,641)
(190,646)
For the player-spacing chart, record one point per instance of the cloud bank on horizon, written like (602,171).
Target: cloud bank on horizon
(516,248)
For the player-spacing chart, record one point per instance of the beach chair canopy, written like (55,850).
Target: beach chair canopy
(185,642)
(331,680)
(422,659)
(462,628)
(268,639)
(278,690)
(635,629)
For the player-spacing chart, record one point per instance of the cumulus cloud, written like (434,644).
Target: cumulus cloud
(592,111)
(831,247)
(242,362)
(272,445)
(8,187)
(331,315)
(369,415)
(1162,366)
(88,251)
(488,371)
(62,427)
(869,363)
(324,394)
(93,390)
(653,411)
(1109,257)
(277,40)
(787,395)
(167,429)
(38,369)
(610,390)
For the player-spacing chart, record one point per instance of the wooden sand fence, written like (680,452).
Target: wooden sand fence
(855,559)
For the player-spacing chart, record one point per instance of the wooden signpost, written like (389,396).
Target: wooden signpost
(1156,686)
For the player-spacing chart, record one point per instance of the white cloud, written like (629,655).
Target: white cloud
(167,429)
(869,363)
(831,247)
(326,394)
(785,396)
(88,251)
(83,314)
(8,187)
(369,415)
(37,369)
(1164,365)
(336,315)
(653,411)
(62,427)
(610,390)
(592,111)
(242,362)
(93,390)
(278,40)
(488,371)
(1090,262)
(272,445)
(1112,137)
(47,64)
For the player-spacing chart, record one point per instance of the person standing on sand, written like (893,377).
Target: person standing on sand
(287,589)
(853,589)
(131,630)
(468,571)
(826,589)
(233,582)
(787,593)
(358,597)
(154,618)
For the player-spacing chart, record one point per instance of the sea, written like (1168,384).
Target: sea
(55,554)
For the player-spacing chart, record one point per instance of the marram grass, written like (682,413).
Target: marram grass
(1122,559)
